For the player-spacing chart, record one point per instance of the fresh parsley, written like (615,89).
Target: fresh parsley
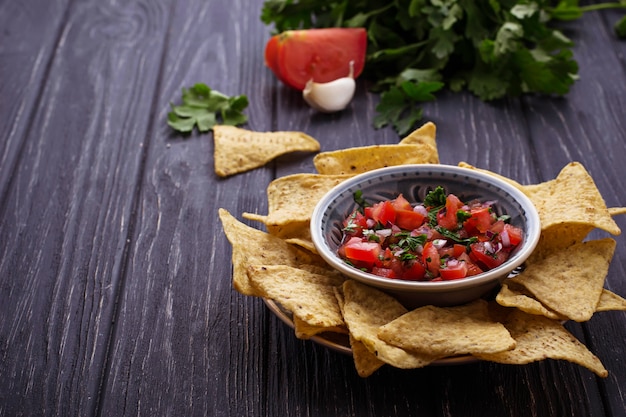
(417,48)
(204,107)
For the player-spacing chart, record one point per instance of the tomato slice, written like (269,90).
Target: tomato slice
(323,55)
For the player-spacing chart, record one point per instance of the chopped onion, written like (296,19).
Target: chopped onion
(421,210)
(384,232)
(439,243)
(506,240)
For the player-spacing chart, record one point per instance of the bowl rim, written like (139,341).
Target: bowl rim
(531,238)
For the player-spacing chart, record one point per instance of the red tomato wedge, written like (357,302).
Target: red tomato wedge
(323,55)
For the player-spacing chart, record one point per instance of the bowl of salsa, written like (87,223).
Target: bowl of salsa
(426,234)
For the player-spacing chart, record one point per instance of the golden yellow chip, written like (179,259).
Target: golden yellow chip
(511,295)
(571,198)
(365,362)
(365,310)
(238,150)
(424,135)
(615,211)
(291,199)
(253,247)
(610,301)
(570,282)
(358,160)
(305,331)
(448,331)
(309,296)
(538,338)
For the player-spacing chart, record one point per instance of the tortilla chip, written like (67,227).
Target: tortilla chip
(448,331)
(365,362)
(517,296)
(570,282)
(615,211)
(571,198)
(424,135)
(358,160)
(238,150)
(538,338)
(291,199)
(365,310)
(609,301)
(252,247)
(309,296)
(305,331)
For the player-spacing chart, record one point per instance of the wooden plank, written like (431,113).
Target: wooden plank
(588,126)
(25,56)
(186,343)
(68,210)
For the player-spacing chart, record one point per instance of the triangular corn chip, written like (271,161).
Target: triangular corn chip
(238,150)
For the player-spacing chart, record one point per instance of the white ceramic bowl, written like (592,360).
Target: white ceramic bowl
(415,182)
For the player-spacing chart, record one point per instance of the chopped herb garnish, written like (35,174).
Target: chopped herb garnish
(435,198)
(359,200)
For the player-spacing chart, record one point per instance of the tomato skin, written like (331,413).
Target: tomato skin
(321,55)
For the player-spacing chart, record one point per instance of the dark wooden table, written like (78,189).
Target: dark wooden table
(115,276)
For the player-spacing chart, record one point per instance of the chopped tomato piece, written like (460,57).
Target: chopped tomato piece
(483,256)
(447,217)
(480,220)
(409,219)
(358,250)
(321,55)
(472,268)
(414,271)
(431,258)
(453,251)
(382,212)
(384,272)
(515,234)
(453,269)
(355,223)
(401,203)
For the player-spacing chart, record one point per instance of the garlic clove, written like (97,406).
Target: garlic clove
(331,96)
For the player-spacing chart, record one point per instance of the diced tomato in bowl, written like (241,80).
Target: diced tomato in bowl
(442,235)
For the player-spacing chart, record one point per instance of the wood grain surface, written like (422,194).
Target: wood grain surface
(115,275)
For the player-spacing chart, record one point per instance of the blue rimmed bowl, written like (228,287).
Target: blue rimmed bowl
(415,182)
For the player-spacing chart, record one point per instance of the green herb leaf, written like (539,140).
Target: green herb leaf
(201,108)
